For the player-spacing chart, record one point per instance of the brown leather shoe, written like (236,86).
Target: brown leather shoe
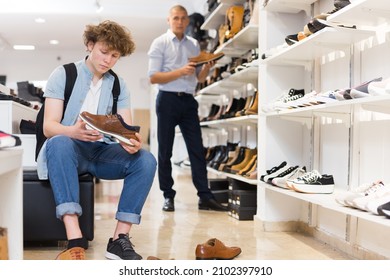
(76,253)
(112,125)
(214,249)
(205,57)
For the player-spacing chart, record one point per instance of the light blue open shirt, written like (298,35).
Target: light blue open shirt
(55,89)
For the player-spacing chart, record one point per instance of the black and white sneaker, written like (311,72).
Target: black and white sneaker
(314,182)
(121,249)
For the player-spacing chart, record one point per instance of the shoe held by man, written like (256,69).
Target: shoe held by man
(211,204)
(205,57)
(75,253)
(121,249)
(169,204)
(214,249)
(112,125)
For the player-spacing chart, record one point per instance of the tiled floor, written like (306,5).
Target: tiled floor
(175,234)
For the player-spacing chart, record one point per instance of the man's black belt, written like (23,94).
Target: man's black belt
(178,93)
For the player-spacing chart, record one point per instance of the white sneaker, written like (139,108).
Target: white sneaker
(375,192)
(379,88)
(313,182)
(372,205)
(346,198)
(282,181)
(277,173)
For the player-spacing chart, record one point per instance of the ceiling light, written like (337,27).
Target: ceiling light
(24,47)
(40,20)
(54,42)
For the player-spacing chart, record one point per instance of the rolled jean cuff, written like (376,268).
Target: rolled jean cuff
(128,217)
(68,208)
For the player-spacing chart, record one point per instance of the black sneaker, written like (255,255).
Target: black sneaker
(121,249)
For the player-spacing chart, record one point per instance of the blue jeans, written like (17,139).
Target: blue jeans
(174,109)
(67,158)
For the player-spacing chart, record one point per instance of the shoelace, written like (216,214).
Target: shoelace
(294,97)
(309,177)
(287,171)
(125,243)
(375,186)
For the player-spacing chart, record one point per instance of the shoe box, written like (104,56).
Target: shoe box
(242,213)
(240,185)
(220,189)
(3,244)
(242,200)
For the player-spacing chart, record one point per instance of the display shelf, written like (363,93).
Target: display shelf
(328,201)
(320,43)
(364,13)
(236,80)
(243,41)
(217,17)
(289,6)
(243,120)
(380,104)
(11,199)
(233,176)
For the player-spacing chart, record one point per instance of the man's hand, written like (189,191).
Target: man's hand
(136,144)
(188,69)
(81,132)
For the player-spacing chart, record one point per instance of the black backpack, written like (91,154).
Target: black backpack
(71,75)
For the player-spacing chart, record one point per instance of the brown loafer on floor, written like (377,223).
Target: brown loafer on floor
(112,125)
(214,249)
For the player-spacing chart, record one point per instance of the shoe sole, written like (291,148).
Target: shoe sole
(209,60)
(111,256)
(314,189)
(119,137)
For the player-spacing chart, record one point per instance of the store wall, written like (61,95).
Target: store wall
(37,66)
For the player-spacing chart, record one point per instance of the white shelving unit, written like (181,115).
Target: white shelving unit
(237,46)
(11,199)
(333,138)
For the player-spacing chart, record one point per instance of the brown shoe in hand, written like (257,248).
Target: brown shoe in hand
(205,57)
(214,249)
(112,125)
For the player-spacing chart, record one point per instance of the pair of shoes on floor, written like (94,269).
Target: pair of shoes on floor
(111,125)
(214,249)
(209,204)
(119,249)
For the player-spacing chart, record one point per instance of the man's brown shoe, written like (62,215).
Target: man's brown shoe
(214,249)
(205,57)
(76,253)
(112,125)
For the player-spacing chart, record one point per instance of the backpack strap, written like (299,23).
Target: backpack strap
(115,91)
(71,76)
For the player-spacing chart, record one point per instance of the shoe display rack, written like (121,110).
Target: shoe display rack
(239,129)
(348,139)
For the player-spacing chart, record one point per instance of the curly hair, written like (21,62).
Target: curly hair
(116,37)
